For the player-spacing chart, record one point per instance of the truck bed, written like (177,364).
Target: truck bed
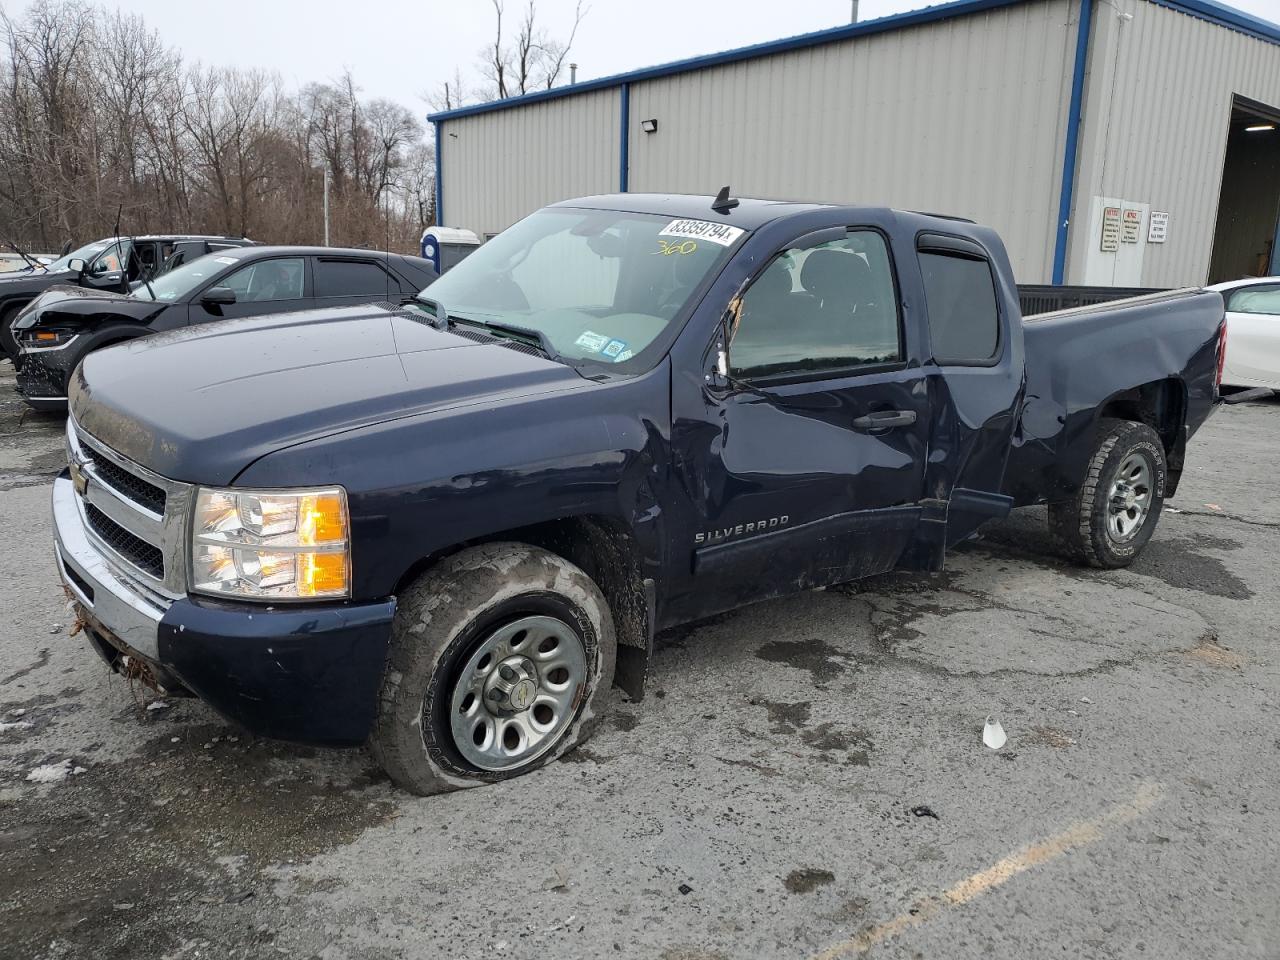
(1152,357)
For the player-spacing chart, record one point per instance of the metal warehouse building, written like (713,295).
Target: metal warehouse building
(1111,142)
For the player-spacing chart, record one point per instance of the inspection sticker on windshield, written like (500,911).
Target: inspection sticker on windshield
(720,233)
(613,349)
(595,342)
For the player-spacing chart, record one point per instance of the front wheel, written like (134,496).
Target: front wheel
(1114,513)
(498,657)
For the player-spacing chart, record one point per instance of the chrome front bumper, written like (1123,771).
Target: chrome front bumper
(108,594)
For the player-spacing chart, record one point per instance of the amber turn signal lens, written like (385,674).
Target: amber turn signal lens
(323,519)
(322,574)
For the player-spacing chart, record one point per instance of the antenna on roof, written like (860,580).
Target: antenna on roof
(723,203)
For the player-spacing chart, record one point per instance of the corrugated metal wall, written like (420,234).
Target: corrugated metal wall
(1158,105)
(964,116)
(501,166)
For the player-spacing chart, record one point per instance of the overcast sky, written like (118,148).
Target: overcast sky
(402,48)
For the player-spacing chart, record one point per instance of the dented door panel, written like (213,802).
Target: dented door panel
(788,495)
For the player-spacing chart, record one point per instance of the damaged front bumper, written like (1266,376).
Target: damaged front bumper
(43,373)
(306,674)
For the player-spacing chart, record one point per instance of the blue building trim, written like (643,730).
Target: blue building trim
(1224,16)
(624,145)
(439,179)
(1073,139)
(943,11)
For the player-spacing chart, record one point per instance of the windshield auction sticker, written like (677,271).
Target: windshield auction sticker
(720,233)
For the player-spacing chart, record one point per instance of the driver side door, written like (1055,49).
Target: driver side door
(805,463)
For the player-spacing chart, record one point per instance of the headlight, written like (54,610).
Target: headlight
(271,544)
(42,338)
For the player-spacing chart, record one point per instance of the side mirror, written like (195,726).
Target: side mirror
(76,265)
(218,297)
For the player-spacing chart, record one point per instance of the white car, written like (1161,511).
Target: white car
(1253,332)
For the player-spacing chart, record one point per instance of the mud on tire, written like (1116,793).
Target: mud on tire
(1083,526)
(442,620)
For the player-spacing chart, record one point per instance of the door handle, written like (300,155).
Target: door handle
(884,420)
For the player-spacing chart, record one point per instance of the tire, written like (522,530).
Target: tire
(507,600)
(1094,528)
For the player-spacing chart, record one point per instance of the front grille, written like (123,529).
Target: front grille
(133,487)
(137,551)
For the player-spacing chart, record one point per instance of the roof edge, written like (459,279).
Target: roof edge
(1225,16)
(897,21)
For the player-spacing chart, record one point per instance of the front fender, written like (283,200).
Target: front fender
(422,485)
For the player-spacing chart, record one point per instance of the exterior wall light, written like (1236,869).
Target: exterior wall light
(649,126)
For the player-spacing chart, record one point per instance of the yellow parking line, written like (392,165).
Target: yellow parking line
(1000,872)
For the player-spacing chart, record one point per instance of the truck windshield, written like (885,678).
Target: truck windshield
(598,285)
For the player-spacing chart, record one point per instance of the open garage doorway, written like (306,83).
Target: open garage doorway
(1246,239)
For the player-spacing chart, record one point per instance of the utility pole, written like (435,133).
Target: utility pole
(326,206)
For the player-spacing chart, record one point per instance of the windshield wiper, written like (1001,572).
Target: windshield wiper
(534,338)
(520,333)
(19,251)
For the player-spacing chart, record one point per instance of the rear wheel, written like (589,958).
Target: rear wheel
(1114,513)
(498,657)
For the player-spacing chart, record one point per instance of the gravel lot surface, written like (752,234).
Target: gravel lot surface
(806,778)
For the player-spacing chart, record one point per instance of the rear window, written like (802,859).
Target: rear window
(964,319)
(351,278)
(1255,300)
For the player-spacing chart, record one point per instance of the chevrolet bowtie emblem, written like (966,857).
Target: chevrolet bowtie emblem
(79,479)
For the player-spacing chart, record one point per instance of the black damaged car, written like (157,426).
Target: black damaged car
(65,324)
(115,263)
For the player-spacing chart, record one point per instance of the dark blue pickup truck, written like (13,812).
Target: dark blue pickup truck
(446,526)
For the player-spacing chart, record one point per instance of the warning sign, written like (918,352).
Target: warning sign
(1132,224)
(1158,228)
(1110,229)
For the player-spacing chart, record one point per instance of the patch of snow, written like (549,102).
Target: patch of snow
(157,705)
(50,772)
(16,725)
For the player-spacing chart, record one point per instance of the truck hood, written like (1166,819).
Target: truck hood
(66,302)
(30,282)
(201,404)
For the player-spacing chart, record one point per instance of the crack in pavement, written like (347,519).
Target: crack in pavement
(1222,515)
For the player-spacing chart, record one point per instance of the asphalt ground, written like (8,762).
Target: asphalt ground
(806,779)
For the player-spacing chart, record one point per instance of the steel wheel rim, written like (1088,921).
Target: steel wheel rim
(516,694)
(1129,501)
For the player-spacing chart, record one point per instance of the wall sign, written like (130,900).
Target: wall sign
(1110,229)
(1132,224)
(1158,229)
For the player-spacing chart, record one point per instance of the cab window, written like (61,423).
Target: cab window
(960,297)
(818,311)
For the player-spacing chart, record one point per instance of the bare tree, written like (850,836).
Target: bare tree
(532,60)
(98,114)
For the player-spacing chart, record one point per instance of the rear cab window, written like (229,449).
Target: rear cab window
(960,299)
